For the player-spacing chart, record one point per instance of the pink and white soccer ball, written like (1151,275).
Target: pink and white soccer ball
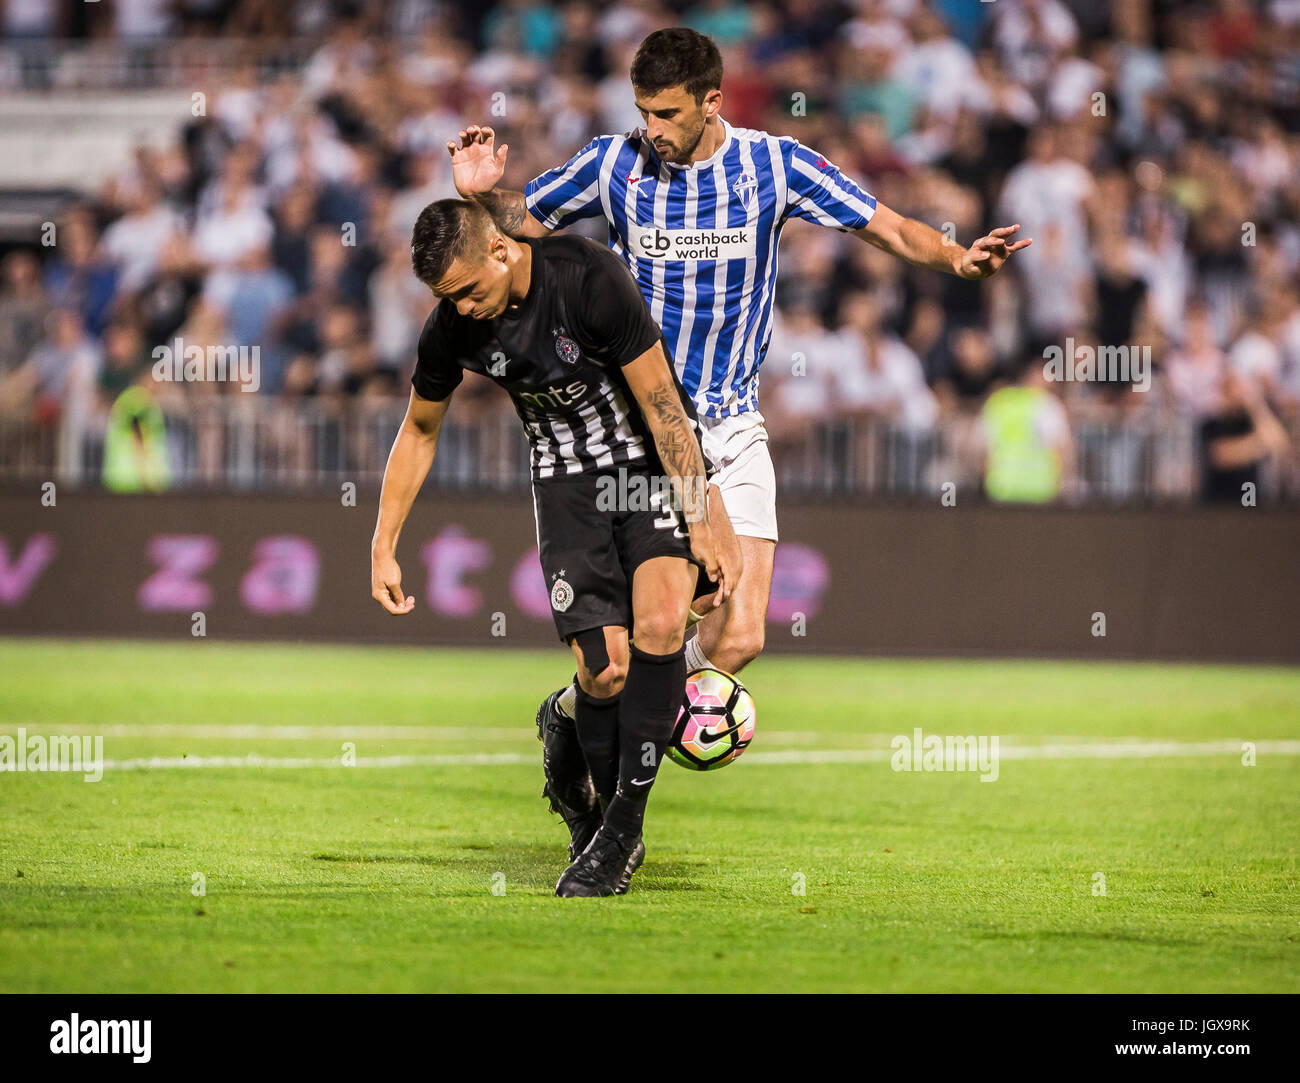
(715,722)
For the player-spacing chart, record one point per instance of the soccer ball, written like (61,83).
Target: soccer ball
(715,723)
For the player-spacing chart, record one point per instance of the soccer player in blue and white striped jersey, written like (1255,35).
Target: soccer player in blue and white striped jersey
(695,208)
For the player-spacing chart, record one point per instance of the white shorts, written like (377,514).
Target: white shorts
(743,471)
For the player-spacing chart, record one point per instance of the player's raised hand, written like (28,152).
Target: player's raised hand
(476,167)
(386,585)
(987,255)
(709,549)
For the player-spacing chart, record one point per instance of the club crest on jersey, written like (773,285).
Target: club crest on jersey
(561,595)
(745,187)
(567,350)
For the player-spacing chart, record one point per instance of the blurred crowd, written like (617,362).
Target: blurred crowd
(1150,148)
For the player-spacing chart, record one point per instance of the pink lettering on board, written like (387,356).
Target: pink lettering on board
(528,587)
(181,558)
(799,577)
(18,578)
(449,559)
(284,576)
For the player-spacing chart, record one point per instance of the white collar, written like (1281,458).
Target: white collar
(706,162)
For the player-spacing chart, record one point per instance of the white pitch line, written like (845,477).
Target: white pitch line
(436,732)
(257,732)
(1092,750)
(1088,750)
(486,759)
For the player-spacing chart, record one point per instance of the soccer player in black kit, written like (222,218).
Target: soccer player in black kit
(560,324)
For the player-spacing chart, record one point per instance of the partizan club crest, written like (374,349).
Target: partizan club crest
(561,594)
(567,350)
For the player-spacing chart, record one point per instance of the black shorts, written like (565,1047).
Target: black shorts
(589,548)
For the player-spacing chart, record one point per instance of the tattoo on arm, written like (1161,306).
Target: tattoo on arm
(679,450)
(506,208)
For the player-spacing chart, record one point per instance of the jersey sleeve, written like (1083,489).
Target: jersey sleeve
(437,364)
(614,318)
(569,192)
(818,191)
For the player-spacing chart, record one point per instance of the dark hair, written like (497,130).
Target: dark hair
(447,229)
(677,56)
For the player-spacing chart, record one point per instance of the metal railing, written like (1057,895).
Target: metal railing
(264,444)
(1149,461)
(258,443)
(99,64)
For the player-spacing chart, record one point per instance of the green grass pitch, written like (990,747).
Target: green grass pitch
(432,869)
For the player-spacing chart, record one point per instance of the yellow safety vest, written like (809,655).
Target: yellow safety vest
(1020,468)
(135,446)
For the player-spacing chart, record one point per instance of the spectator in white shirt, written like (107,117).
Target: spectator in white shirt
(1029,33)
(938,69)
(877,374)
(799,370)
(1048,195)
(136,241)
(238,227)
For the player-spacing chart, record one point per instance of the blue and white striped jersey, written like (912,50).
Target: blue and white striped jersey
(701,240)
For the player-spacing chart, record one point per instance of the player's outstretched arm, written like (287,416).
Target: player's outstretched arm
(651,383)
(408,465)
(477,170)
(926,247)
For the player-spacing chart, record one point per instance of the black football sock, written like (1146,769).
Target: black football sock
(596,721)
(652,695)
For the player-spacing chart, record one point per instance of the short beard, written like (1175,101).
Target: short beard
(685,156)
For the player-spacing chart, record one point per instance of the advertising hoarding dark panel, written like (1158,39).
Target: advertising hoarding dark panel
(1186,583)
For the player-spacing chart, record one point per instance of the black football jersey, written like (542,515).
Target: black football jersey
(559,354)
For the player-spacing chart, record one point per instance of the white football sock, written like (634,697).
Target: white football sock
(695,656)
(568,701)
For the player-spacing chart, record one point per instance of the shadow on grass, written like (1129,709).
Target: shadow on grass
(1080,934)
(538,867)
(466,871)
(377,859)
(651,882)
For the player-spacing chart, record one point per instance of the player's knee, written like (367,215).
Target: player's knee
(662,630)
(602,662)
(608,682)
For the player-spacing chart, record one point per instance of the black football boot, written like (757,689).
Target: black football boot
(634,859)
(601,868)
(568,785)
